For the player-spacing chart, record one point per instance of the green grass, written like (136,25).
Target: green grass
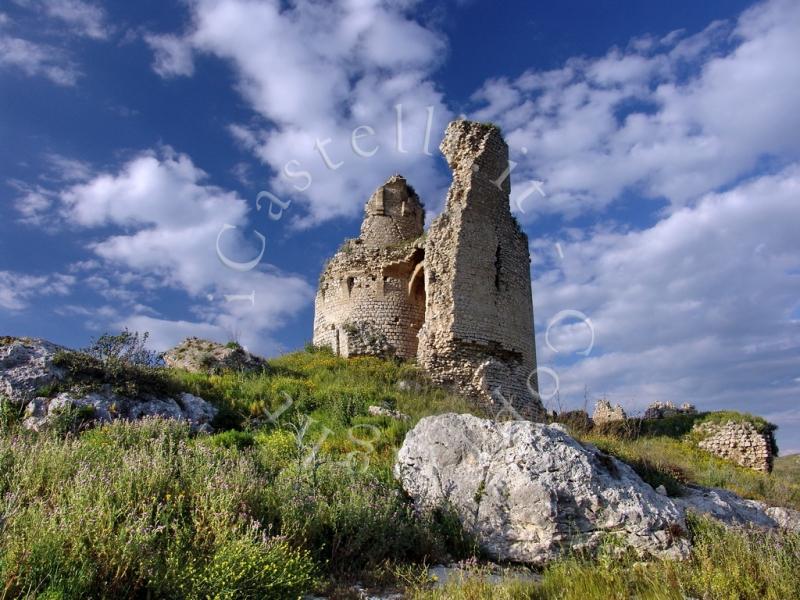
(788,467)
(305,501)
(724,565)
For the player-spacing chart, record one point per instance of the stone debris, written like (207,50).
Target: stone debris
(529,492)
(380,411)
(604,412)
(739,442)
(26,368)
(457,299)
(203,356)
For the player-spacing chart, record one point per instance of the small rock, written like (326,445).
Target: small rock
(380,411)
(661,490)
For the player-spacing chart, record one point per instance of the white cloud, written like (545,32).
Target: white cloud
(65,169)
(165,220)
(18,289)
(673,119)
(37,60)
(172,56)
(83,18)
(701,307)
(318,71)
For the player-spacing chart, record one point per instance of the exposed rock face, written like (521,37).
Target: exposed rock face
(371,297)
(105,406)
(529,491)
(478,331)
(26,366)
(203,356)
(741,443)
(459,300)
(604,412)
(733,510)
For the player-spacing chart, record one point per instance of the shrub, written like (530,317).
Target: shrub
(9,415)
(232,439)
(253,568)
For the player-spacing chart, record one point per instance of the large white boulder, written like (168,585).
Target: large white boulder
(528,491)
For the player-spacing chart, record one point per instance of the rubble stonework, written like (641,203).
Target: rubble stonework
(741,443)
(604,412)
(662,410)
(459,300)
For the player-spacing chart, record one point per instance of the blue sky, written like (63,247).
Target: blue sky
(664,135)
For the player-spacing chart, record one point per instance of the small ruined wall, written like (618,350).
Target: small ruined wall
(604,412)
(478,332)
(663,410)
(741,443)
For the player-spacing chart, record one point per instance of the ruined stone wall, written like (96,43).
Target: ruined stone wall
(741,443)
(478,331)
(604,412)
(366,303)
(663,410)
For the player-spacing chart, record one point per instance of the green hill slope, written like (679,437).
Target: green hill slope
(294,493)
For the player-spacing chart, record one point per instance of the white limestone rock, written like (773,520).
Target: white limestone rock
(733,510)
(380,411)
(26,365)
(529,491)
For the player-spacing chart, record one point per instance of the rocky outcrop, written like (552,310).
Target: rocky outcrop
(203,356)
(529,491)
(104,406)
(741,443)
(604,412)
(731,509)
(26,366)
(27,370)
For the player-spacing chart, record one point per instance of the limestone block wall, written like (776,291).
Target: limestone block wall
(393,214)
(365,292)
(741,443)
(478,331)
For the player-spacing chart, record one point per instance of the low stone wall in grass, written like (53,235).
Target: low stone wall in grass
(741,443)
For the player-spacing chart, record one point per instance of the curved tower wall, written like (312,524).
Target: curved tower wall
(365,303)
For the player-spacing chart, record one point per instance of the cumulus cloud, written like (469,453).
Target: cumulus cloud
(162,222)
(702,307)
(316,72)
(670,119)
(172,56)
(18,289)
(34,59)
(83,18)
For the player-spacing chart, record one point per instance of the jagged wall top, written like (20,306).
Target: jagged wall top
(471,147)
(393,214)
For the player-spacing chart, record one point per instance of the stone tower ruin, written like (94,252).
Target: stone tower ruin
(459,299)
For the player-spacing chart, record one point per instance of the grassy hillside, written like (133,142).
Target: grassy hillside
(295,493)
(788,467)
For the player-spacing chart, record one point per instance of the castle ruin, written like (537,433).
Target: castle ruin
(457,299)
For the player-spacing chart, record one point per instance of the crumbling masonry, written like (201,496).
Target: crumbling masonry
(459,299)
